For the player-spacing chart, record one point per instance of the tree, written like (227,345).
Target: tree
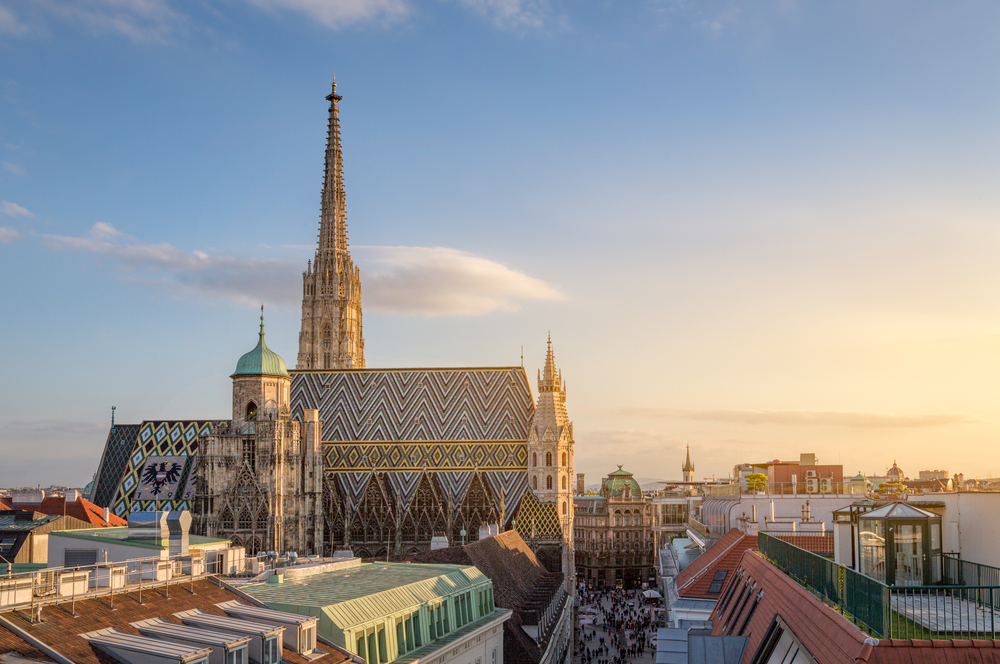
(756,482)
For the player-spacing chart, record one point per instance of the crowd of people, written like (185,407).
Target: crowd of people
(622,627)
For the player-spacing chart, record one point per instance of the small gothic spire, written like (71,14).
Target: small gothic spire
(262,320)
(688,466)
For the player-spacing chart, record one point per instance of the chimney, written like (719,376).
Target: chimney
(72,495)
(179,525)
(107,515)
(580,490)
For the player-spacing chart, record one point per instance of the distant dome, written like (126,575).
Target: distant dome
(616,482)
(261,361)
(895,473)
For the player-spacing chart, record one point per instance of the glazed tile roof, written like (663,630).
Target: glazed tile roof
(60,630)
(704,574)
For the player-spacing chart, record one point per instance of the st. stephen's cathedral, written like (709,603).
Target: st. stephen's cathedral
(336,454)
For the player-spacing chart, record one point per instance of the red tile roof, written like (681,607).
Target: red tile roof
(60,630)
(828,636)
(10,642)
(82,509)
(814,543)
(696,579)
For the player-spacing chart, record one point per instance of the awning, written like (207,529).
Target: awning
(651,594)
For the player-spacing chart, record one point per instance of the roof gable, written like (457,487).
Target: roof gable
(724,556)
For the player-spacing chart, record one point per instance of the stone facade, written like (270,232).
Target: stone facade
(613,535)
(550,455)
(331,335)
(260,476)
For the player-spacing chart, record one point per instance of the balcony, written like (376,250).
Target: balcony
(963,606)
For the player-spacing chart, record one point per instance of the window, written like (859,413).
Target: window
(564,482)
(236,656)
(548,482)
(534,458)
(717,581)
(564,507)
(534,482)
(326,360)
(251,411)
(753,607)
(250,453)
(738,611)
(780,645)
(564,458)
(326,337)
(307,639)
(493,657)
(271,650)
(548,460)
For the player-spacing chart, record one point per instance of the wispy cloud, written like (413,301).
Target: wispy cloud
(15,169)
(241,279)
(424,281)
(341,13)
(9,23)
(14,210)
(515,14)
(8,235)
(434,281)
(864,420)
(141,21)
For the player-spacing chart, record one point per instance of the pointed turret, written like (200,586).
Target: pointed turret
(688,466)
(331,336)
(333,213)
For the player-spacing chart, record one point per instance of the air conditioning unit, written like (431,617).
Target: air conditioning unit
(810,473)
(812,485)
(826,485)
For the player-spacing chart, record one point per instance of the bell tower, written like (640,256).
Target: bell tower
(331,335)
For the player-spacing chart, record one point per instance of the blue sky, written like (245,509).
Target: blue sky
(758,228)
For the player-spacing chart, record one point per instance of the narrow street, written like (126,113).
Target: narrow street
(624,623)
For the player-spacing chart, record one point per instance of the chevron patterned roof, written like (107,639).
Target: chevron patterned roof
(399,405)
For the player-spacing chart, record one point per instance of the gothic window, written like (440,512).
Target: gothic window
(326,337)
(548,460)
(564,459)
(564,507)
(226,520)
(534,460)
(251,410)
(262,518)
(326,360)
(534,482)
(253,546)
(246,521)
(250,453)
(235,541)
(564,482)
(548,482)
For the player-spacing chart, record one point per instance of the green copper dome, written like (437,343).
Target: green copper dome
(261,361)
(616,483)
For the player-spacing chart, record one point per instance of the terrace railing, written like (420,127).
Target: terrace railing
(966,606)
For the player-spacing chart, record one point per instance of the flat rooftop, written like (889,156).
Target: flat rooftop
(361,594)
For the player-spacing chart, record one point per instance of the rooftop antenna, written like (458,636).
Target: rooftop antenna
(113,417)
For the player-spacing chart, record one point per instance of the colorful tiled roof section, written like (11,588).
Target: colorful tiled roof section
(617,481)
(426,405)
(696,579)
(535,520)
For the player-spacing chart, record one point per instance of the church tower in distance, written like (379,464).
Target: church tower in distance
(550,456)
(331,336)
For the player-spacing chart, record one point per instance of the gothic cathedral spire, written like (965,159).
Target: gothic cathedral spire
(331,335)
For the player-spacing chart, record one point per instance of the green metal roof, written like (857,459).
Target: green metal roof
(119,535)
(368,593)
(261,361)
(616,483)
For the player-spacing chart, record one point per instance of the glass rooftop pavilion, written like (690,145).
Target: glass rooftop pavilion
(890,575)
